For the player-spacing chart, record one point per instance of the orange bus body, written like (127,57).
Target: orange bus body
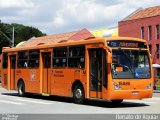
(49,79)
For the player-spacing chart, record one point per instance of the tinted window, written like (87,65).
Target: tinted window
(60,52)
(76,58)
(22,59)
(60,57)
(13,61)
(33,61)
(5,60)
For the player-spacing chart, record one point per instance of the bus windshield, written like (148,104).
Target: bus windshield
(130,64)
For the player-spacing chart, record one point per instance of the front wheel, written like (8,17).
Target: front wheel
(21,89)
(116,101)
(78,94)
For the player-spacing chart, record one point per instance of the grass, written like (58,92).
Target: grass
(157,87)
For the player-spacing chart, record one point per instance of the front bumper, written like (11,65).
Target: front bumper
(130,94)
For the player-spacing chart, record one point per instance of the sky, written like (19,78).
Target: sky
(59,16)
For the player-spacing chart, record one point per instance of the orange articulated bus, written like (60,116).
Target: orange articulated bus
(114,68)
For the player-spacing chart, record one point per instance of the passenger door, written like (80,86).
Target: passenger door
(12,71)
(97,72)
(46,60)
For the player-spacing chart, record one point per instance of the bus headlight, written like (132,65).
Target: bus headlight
(149,86)
(116,86)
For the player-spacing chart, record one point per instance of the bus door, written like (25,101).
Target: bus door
(12,71)
(95,72)
(46,59)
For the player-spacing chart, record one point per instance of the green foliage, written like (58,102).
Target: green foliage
(157,87)
(22,33)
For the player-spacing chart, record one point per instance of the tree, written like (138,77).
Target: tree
(4,36)
(22,33)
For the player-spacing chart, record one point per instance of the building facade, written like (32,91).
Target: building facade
(145,24)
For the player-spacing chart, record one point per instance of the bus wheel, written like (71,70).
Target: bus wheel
(78,94)
(21,89)
(116,101)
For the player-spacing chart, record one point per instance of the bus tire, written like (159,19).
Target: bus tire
(21,89)
(78,94)
(117,101)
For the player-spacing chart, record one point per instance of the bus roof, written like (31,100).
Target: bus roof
(72,42)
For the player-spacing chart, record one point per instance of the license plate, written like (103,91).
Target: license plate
(135,93)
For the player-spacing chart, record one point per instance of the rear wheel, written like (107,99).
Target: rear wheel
(21,89)
(116,101)
(78,94)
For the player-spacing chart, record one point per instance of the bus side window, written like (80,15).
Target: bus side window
(76,57)
(60,57)
(34,58)
(5,60)
(22,59)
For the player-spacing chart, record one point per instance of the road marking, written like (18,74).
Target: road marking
(5,95)
(31,101)
(10,102)
(148,102)
(153,98)
(141,102)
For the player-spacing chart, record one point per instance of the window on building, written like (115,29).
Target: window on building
(22,59)
(60,57)
(157,51)
(76,58)
(150,49)
(149,32)
(33,61)
(5,60)
(157,31)
(142,32)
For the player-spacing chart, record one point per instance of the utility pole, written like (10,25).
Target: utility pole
(13,37)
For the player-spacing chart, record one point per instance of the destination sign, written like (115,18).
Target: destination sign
(126,44)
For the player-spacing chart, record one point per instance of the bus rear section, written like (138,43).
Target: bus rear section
(131,71)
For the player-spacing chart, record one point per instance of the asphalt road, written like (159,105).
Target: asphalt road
(10,102)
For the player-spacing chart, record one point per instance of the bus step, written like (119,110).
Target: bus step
(45,94)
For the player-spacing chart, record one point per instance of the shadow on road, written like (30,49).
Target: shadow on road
(95,103)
